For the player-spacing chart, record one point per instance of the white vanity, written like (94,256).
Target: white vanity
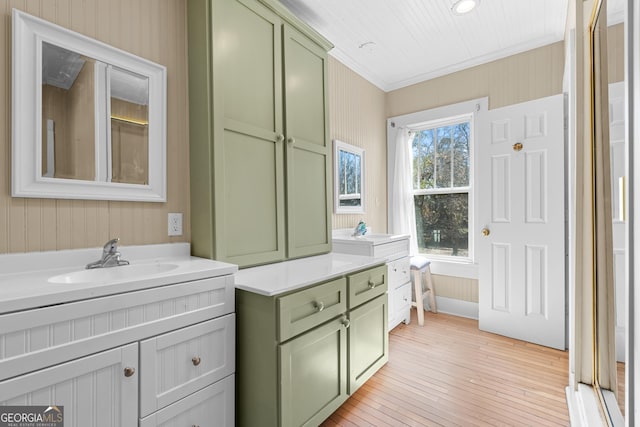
(148,344)
(394,249)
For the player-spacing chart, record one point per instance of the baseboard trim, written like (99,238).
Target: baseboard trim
(457,307)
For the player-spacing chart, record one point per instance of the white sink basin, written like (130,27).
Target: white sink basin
(370,237)
(112,274)
(378,245)
(376,236)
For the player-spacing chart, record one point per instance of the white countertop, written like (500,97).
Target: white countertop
(371,239)
(287,276)
(24,278)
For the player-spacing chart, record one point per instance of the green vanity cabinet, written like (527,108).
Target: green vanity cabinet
(259,141)
(300,355)
(368,341)
(313,378)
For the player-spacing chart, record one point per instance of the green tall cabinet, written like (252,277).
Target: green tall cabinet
(259,136)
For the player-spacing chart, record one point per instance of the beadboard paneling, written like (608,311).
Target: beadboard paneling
(357,117)
(148,28)
(523,77)
(456,287)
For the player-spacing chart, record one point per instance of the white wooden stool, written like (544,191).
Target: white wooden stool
(419,268)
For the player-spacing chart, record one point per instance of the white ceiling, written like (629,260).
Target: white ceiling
(396,43)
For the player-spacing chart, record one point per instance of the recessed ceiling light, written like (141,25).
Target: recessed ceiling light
(460,7)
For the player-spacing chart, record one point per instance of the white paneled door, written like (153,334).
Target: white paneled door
(521,249)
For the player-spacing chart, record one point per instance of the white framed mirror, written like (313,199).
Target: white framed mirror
(88,119)
(348,178)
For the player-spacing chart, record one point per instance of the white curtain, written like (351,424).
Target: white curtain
(403,218)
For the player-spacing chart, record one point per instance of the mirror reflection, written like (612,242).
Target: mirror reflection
(129,127)
(79,94)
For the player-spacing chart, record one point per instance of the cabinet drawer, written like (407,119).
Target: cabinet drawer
(392,250)
(34,339)
(211,406)
(367,285)
(306,309)
(404,296)
(399,272)
(179,363)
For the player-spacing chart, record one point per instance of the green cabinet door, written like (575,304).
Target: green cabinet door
(237,153)
(249,166)
(259,149)
(313,371)
(308,150)
(368,341)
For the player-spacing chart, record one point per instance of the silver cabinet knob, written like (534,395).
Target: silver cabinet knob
(345,322)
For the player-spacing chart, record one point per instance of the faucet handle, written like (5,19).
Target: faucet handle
(111,246)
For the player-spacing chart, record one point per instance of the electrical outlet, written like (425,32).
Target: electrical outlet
(175,224)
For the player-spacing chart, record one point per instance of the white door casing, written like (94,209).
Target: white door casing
(521,205)
(618,162)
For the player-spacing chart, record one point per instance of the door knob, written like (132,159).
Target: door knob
(517,146)
(485,232)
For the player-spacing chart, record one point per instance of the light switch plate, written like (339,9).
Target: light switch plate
(175,224)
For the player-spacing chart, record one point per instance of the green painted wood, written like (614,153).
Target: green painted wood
(300,377)
(368,341)
(313,372)
(252,202)
(257,373)
(200,129)
(249,167)
(367,285)
(308,308)
(290,18)
(308,151)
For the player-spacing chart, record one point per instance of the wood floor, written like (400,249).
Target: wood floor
(448,373)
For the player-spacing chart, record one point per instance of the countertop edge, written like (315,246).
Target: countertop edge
(53,294)
(247,279)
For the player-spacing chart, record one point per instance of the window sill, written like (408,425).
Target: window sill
(467,270)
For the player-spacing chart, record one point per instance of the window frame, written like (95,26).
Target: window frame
(339,146)
(443,122)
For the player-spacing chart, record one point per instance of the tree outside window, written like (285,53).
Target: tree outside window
(441,187)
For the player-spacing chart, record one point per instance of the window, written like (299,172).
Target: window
(442,187)
(349,174)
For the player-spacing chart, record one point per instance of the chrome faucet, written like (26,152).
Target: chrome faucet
(110,256)
(360,230)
